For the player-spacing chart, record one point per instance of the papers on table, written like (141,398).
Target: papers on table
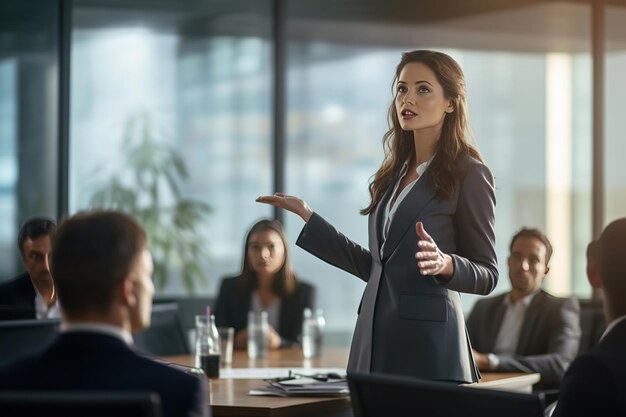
(306,387)
(267,373)
(285,382)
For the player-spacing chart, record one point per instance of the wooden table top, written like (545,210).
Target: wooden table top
(229,397)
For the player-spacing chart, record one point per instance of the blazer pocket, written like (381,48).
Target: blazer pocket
(426,307)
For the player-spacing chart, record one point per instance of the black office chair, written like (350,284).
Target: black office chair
(79,404)
(9,312)
(165,335)
(24,337)
(592,324)
(188,309)
(376,395)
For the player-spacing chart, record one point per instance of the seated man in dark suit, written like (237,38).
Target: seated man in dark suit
(32,294)
(595,383)
(102,269)
(527,329)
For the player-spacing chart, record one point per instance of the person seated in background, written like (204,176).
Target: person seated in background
(526,329)
(102,269)
(595,383)
(33,292)
(267,282)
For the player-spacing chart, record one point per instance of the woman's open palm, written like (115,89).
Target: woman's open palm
(288,202)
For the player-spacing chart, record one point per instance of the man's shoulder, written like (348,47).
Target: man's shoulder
(593,362)
(488,302)
(97,353)
(544,298)
(20,281)
(613,344)
(18,291)
(166,370)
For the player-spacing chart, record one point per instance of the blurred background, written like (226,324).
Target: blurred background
(182,112)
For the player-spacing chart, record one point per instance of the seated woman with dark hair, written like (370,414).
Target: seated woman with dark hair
(266,283)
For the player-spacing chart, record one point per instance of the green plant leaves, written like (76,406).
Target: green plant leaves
(148,188)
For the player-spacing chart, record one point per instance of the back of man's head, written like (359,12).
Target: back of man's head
(34,228)
(92,252)
(610,253)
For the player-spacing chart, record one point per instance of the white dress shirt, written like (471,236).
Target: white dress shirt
(43,311)
(273,310)
(510,329)
(390,209)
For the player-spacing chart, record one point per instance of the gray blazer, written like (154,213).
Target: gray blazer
(548,340)
(409,324)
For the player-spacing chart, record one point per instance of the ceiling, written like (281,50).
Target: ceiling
(512,25)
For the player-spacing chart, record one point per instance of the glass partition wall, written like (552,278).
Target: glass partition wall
(29,115)
(615,91)
(169,120)
(172,110)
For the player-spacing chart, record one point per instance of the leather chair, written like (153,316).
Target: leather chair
(79,404)
(24,337)
(165,335)
(376,395)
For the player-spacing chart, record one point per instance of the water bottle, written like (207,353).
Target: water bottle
(207,346)
(312,332)
(258,334)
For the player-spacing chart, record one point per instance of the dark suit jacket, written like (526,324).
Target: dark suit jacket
(17,298)
(233,304)
(548,340)
(95,361)
(595,383)
(409,324)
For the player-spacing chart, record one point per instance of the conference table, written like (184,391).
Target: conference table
(230,397)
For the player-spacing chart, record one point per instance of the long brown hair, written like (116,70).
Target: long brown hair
(284,282)
(442,173)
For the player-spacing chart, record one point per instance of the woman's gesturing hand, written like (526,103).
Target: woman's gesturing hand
(431,260)
(288,202)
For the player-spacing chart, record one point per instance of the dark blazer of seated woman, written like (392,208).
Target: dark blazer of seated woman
(267,278)
(234,302)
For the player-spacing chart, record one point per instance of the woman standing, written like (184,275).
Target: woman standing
(266,283)
(431,231)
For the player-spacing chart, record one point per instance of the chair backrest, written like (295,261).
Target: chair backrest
(188,308)
(165,335)
(24,337)
(592,324)
(376,395)
(10,312)
(80,403)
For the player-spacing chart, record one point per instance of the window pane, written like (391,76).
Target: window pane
(28,120)
(615,147)
(176,130)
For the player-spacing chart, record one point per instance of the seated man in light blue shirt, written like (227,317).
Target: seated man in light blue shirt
(526,329)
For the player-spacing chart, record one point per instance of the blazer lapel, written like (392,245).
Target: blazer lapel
(498,315)
(407,214)
(376,221)
(530,322)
